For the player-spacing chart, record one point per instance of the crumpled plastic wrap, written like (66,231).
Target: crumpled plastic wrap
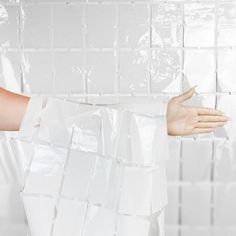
(94,170)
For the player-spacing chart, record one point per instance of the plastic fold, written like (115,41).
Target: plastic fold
(94,170)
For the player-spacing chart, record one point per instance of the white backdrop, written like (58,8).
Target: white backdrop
(100,50)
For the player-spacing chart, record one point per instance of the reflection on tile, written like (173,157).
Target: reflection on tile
(196,158)
(166,70)
(38,72)
(101,26)
(196,204)
(69,67)
(134,74)
(167,12)
(199,25)
(199,69)
(66,33)
(226,70)
(227,24)
(133,26)
(78,174)
(101,74)
(167,26)
(36,26)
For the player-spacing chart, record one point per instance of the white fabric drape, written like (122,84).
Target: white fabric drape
(94,170)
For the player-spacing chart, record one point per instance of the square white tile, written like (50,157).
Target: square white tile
(37,26)
(69,72)
(166,70)
(133,71)
(101,74)
(199,69)
(199,25)
(196,207)
(226,70)
(38,72)
(166,27)
(68,26)
(101,20)
(226,24)
(196,160)
(79,173)
(133,26)
(9,26)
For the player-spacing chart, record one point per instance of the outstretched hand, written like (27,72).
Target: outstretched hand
(186,120)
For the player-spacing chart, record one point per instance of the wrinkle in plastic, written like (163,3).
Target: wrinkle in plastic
(94,169)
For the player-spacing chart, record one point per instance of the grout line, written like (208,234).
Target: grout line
(20,48)
(212,184)
(84,31)
(216,45)
(85,15)
(137,49)
(108,2)
(180,192)
(52,55)
(149,82)
(216,100)
(117,54)
(180,220)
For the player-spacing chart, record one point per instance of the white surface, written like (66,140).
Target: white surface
(62,182)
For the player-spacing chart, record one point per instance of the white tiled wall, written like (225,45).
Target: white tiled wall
(110,48)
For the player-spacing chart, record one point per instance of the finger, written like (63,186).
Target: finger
(209,124)
(185,96)
(208,111)
(216,118)
(202,130)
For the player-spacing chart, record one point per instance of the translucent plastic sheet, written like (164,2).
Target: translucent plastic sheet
(94,170)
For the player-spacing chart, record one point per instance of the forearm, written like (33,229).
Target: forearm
(12,107)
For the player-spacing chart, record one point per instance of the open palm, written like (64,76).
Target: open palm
(185,120)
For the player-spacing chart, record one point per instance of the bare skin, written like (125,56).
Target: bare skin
(13,107)
(186,120)
(181,119)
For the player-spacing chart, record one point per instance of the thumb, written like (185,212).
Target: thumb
(185,96)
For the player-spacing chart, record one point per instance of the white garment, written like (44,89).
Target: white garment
(94,170)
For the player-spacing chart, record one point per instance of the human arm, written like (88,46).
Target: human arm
(181,119)
(13,106)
